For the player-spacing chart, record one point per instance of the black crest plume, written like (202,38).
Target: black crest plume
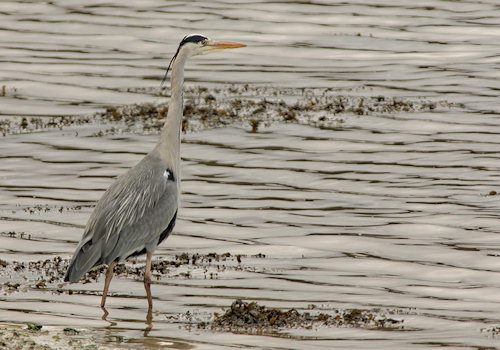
(193,38)
(170,65)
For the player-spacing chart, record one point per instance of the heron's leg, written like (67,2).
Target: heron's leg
(109,276)
(147,279)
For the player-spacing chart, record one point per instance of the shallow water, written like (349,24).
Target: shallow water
(386,211)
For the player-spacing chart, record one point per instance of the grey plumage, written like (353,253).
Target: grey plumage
(139,209)
(129,217)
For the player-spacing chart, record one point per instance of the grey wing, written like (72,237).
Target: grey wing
(145,232)
(130,216)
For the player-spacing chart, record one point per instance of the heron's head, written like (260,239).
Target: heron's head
(197,44)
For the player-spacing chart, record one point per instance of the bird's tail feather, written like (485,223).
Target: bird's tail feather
(86,257)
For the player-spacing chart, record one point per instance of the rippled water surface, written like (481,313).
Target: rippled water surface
(394,211)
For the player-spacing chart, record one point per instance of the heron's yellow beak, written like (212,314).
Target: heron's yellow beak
(220,45)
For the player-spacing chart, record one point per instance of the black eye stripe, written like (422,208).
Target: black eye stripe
(193,39)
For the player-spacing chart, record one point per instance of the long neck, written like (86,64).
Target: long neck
(169,143)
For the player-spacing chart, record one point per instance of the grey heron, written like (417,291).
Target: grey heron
(138,211)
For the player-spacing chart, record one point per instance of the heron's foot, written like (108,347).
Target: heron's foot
(105,313)
(149,322)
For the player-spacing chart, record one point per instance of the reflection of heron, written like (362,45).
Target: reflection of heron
(138,211)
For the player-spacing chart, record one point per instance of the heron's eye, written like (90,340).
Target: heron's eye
(204,42)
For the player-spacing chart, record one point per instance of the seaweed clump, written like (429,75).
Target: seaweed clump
(33,337)
(238,105)
(48,274)
(252,317)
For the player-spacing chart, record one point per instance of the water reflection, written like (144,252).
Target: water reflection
(365,225)
(96,54)
(387,210)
